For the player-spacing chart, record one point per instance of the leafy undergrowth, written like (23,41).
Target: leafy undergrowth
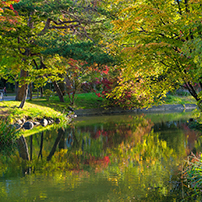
(192,179)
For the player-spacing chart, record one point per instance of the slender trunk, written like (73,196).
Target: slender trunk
(62,87)
(21,90)
(37,92)
(30,91)
(24,98)
(59,92)
(192,91)
(41,91)
(73,94)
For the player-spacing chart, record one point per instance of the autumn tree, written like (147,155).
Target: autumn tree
(160,45)
(49,30)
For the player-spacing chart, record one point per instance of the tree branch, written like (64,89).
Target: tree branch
(35,64)
(48,21)
(180,10)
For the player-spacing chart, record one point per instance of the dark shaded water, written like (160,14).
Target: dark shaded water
(106,158)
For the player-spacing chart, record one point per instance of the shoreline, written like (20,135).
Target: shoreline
(160,108)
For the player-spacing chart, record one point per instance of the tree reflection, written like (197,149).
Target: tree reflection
(133,155)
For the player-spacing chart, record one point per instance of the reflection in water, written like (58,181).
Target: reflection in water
(116,158)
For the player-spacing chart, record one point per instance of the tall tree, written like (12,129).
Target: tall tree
(158,42)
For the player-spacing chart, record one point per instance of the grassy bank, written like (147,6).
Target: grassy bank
(10,113)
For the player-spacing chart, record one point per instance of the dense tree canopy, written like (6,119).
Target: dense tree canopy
(160,45)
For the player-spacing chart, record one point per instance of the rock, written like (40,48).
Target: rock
(23,120)
(57,120)
(28,125)
(28,117)
(38,119)
(36,123)
(71,116)
(44,122)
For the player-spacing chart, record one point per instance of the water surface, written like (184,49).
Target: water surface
(103,158)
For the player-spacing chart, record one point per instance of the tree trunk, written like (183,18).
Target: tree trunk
(37,92)
(62,87)
(21,90)
(16,87)
(30,91)
(59,92)
(24,98)
(41,91)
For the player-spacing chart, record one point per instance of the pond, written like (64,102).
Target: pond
(131,157)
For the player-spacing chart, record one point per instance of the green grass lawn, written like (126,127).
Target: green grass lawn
(82,101)
(9,110)
(176,99)
(91,100)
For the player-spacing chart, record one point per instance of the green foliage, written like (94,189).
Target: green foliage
(43,9)
(8,135)
(86,51)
